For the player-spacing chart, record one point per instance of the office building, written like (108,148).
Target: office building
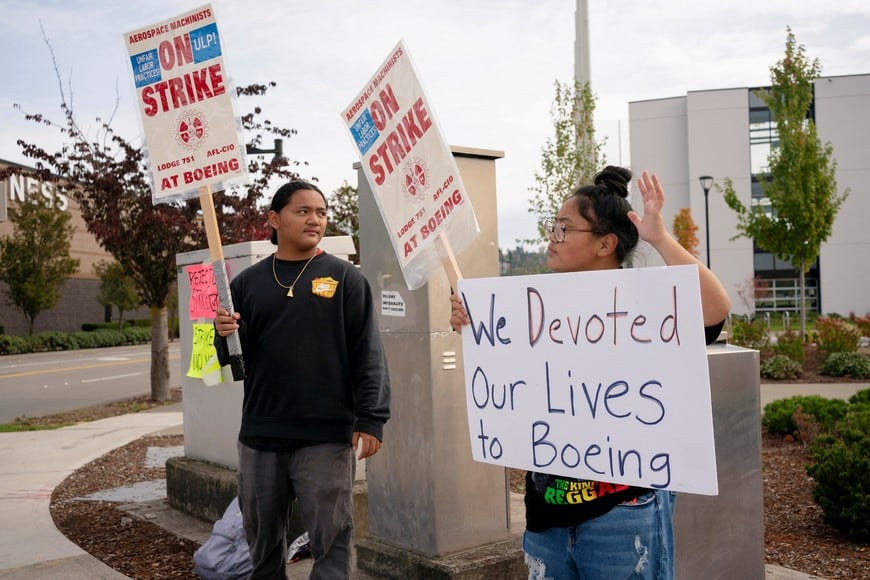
(728,133)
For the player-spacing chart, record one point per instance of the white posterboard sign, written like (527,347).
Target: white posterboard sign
(593,375)
(410,168)
(186,104)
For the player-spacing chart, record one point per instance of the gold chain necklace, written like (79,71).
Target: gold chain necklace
(290,287)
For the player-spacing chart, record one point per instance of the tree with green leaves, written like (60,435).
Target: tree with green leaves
(521,261)
(108,179)
(802,190)
(571,157)
(116,288)
(344,215)
(34,260)
(685,231)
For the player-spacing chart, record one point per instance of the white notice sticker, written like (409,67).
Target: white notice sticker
(392,303)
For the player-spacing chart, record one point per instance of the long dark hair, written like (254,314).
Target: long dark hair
(282,198)
(605,206)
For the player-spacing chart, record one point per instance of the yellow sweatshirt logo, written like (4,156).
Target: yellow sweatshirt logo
(324,287)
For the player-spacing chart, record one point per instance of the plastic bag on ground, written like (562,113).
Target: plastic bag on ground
(225,555)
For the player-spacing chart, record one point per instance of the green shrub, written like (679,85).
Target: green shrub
(860,398)
(137,334)
(841,462)
(791,344)
(107,337)
(863,323)
(778,415)
(51,341)
(91,326)
(750,334)
(86,339)
(103,338)
(12,344)
(836,335)
(33,343)
(779,367)
(846,364)
(857,418)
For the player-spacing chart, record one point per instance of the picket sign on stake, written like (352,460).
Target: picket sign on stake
(186,106)
(451,268)
(411,170)
(219,265)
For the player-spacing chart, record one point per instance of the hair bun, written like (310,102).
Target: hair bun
(614,179)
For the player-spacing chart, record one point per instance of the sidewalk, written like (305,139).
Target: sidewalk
(33,463)
(772,392)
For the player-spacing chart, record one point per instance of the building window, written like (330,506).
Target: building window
(764,139)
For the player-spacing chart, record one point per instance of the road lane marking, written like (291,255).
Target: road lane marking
(86,356)
(79,368)
(110,378)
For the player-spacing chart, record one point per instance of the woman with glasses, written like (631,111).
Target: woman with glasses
(620,531)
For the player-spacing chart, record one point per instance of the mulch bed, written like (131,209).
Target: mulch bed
(795,536)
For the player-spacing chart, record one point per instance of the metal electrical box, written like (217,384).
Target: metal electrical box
(425,492)
(722,537)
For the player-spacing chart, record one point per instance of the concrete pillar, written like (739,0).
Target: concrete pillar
(722,537)
(212,415)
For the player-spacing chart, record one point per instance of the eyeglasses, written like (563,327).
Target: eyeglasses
(557,230)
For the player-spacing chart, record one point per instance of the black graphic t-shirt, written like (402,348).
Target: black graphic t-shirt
(555,501)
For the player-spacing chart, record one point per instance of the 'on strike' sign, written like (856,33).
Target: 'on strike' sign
(186,104)
(593,375)
(409,167)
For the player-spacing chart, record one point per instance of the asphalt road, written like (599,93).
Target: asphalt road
(39,384)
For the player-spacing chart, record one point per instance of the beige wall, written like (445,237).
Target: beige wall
(84,246)
(78,303)
(682,138)
(843,120)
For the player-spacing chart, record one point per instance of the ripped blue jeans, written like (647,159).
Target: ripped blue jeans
(631,541)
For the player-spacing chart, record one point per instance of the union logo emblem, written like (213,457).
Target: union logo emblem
(191,129)
(416,179)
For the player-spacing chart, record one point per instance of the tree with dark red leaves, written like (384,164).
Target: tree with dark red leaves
(107,177)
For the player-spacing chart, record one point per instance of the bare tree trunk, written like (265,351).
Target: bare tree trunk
(159,355)
(803,303)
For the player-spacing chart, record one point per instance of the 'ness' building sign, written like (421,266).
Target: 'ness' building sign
(21,188)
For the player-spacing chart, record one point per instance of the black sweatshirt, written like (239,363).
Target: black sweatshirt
(314,363)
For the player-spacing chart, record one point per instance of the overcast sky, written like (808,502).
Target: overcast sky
(488,66)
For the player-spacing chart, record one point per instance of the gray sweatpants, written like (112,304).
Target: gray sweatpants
(321,478)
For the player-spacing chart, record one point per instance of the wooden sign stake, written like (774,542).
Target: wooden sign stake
(451,268)
(216,253)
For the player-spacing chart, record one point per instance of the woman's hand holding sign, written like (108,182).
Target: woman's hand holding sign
(458,315)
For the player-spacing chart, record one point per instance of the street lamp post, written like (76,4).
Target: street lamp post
(706,183)
(278,150)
